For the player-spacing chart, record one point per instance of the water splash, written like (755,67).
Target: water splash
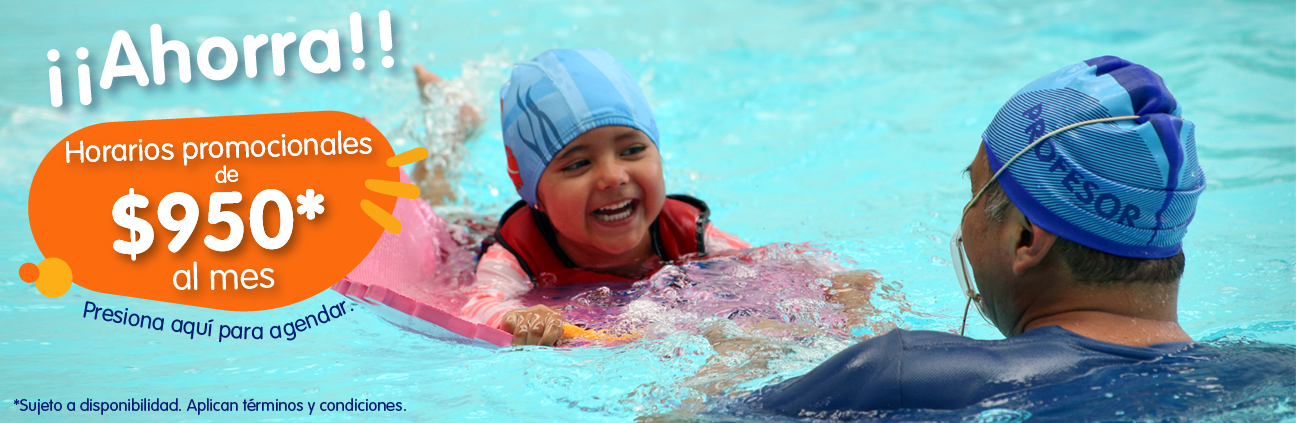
(452,112)
(778,290)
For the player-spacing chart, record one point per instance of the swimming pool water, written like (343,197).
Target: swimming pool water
(845,124)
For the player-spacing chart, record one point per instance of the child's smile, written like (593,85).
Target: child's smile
(616,213)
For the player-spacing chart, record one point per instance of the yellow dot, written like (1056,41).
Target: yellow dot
(55,277)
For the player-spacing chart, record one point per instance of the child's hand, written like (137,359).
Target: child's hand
(535,325)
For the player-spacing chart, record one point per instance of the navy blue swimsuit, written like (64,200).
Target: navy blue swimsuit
(937,370)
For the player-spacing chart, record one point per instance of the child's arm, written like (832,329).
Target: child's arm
(493,300)
(718,241)
(500,281)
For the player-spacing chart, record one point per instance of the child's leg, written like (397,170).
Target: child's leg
(740,357)
(853,290)
(424,77)
(468,117)
(746,353)
(430,175)
(434,186)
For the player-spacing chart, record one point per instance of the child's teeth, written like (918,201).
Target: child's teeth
(615,217)
(616,206)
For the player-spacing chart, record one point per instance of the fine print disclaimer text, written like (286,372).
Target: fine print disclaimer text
(198,406)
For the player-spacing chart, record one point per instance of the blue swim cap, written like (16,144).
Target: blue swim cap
(1126,187)
(555,97)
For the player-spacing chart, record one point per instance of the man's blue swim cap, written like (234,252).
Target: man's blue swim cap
(1126,187)
(555,97)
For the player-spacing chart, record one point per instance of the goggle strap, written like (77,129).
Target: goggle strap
(1032,145)
(966,308)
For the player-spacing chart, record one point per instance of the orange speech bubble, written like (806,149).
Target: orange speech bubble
(261,211)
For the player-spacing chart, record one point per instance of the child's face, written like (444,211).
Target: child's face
(604,189)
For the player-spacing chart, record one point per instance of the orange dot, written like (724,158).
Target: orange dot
(29,272)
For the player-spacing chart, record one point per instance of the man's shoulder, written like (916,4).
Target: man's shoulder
(870,375)
(1042,351)
(918,343)
(918,340)
(928,369)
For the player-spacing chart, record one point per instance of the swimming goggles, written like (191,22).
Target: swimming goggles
(962,269)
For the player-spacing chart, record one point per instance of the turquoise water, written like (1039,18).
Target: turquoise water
(843,124)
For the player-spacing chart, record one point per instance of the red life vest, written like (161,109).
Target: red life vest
(529,235)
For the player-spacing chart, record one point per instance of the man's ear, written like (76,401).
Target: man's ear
(1032,245)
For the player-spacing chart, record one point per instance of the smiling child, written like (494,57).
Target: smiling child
(583,154)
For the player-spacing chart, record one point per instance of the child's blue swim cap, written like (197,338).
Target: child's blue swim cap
(1127,187)
(555,97)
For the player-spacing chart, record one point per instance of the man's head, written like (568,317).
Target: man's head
(582,147)
(1093,206)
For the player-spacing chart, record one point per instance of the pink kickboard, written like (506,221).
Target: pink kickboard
(393,280)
